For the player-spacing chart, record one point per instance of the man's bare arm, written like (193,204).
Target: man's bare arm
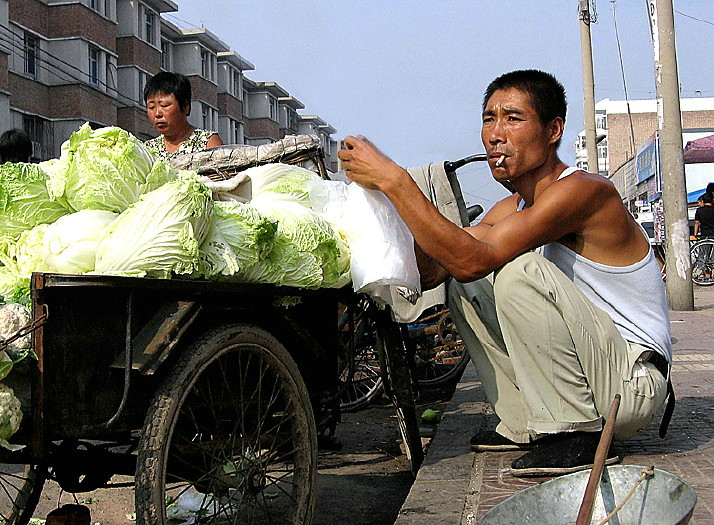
(456,250)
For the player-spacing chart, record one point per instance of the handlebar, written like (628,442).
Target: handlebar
(456,164)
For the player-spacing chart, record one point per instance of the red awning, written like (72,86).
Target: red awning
(700,150)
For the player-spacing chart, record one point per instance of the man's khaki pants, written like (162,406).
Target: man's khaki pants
(549,360)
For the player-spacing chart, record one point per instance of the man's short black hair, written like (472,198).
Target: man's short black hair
(15,146)
(546,93)
(707,198)
(710,188)
(169,83)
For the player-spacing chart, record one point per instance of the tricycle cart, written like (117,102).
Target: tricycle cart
(206,391)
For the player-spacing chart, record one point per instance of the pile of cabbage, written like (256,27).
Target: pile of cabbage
(107,206)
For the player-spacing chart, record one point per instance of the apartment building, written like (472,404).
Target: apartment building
(621,126)
(66,62)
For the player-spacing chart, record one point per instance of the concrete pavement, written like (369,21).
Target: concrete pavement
(457,486)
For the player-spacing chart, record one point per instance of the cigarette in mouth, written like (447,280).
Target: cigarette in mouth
(500,160)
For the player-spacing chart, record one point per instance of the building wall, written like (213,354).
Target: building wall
(229,105)
(84,102)
(135,52)
(261,128)
(78,20)
(135,120)
(203,90)
(60,94)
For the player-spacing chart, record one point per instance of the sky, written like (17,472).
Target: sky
(410,74)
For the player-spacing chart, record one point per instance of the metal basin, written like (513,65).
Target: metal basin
(662,499)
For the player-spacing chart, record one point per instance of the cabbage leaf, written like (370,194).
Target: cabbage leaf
(24,199)
(19,261)
(307,253)
(160,234)
(238,237)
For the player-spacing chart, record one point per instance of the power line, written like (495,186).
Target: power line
(694,18)
(624,83)
(19,46)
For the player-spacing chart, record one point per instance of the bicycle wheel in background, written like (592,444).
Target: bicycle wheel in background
(702,253)
(440,354)
(360,375)
(399,383)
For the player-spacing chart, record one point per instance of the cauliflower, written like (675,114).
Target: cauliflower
(10,415)
(14,316)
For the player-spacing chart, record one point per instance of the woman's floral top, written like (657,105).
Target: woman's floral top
(195,142)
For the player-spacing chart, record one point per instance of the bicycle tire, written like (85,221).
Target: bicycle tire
(441,356)
(399,385)
(231,428)
(359,369)
(703,262)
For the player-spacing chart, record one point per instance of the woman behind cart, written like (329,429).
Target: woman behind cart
(168,105)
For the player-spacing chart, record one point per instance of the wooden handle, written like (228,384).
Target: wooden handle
(586,507)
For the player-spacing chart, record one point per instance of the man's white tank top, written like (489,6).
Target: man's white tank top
(633,295)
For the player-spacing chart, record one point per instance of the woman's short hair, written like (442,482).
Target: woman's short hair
(15,146)
(169,83)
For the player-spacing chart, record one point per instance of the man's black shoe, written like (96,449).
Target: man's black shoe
(492,441)
(561,454)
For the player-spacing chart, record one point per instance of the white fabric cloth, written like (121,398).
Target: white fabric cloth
(434,183)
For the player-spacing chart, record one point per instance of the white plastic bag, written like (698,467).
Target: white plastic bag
(381,244)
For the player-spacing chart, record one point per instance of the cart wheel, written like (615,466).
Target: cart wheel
(230,436)
(20,490)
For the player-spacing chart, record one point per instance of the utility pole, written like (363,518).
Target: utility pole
(674,190)
(588,85)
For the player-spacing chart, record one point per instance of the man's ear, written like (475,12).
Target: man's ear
(556,128)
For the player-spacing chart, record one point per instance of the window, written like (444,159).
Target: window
(100,6)
(292,119)
(601,121)
(235,130)
(234,84)
(246,109)
(207,69)
(30,54)
(93,71)
(165,55)
(207,114)
(109,67)
(143,79)
(272,103)
(149,22)
(39,131)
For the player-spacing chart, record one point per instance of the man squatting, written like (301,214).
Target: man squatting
(555,333)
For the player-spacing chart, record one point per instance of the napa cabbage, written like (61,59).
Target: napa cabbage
(70,243)
(105,169)
(160,234)
(238,237)
(307,252)
(280,181)
(19,261)
(24,199)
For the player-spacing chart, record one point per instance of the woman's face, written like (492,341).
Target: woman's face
(166,114)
